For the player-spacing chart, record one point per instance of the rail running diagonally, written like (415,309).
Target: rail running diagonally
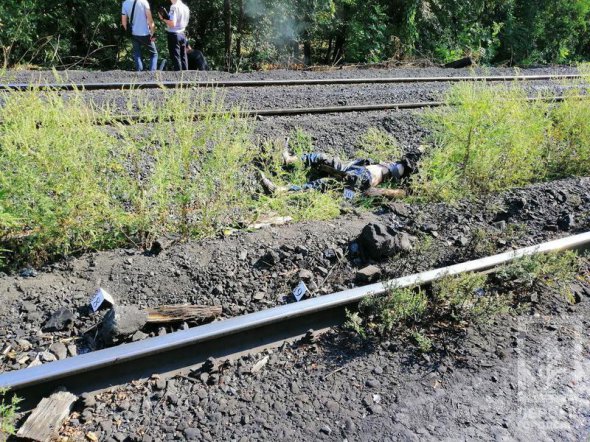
(177,352)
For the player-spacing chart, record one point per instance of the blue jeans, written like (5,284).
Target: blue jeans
(144,41)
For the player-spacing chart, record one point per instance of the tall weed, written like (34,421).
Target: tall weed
(69,185)
(57,172)
(487,139)
(568,150)
(379,146)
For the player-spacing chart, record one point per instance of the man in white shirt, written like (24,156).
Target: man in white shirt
(137,14)
(177,21)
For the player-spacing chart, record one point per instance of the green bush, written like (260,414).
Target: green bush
(453,302)
(486,139)
(568,150)
(469,298)
(57,172)
(398,306)
(554,270)
(69,185)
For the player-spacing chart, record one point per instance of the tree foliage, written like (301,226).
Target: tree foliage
(84,33)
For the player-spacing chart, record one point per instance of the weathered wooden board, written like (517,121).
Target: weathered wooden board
(179,313)
(45,420)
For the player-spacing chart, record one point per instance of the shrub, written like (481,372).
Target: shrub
(568,152)
(398,306)
(455,301)
(423,342)
(486,139)
(469,298)
(69,185)
(56,175)
(556,270)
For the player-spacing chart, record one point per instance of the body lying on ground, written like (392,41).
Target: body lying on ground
(360,175)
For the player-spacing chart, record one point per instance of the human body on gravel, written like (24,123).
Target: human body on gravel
(361,174)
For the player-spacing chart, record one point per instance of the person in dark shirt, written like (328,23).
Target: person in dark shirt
(196,60)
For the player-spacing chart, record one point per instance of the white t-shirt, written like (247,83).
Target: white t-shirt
(139,20)
(179,14)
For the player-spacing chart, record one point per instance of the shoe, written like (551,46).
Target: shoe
(268,185)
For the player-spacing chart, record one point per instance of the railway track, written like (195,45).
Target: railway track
(180,352)
(274,83)
(137,119)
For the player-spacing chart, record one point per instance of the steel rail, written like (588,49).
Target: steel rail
(135,119)
(273,83)
(181,346)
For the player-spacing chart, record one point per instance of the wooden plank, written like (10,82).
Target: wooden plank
(46,420)
(179,313)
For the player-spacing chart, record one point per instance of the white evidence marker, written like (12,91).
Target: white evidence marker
(349,194)
(100,297)
(300,291)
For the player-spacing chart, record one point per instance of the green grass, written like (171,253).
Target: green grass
(568,153)
(398,306)
(453,302)
(423,342)
(8,410)
(379,146)
(489,138)
(300,206)
(70,186)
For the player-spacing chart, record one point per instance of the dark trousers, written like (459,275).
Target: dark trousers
(177,51)
(354,174)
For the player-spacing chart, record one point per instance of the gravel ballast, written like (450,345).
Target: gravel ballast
(510,379)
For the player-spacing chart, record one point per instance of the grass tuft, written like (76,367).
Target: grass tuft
(8,410)
(379,145)
(453,302)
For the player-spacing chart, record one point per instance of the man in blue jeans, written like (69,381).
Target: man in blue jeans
(137,14)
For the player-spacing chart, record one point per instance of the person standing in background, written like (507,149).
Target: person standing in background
(177,21)
(137,14)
